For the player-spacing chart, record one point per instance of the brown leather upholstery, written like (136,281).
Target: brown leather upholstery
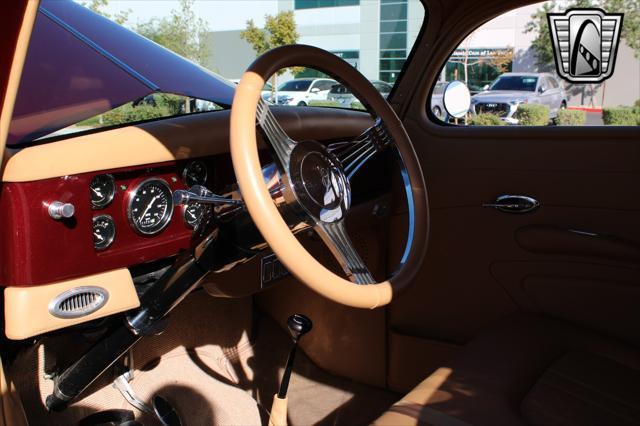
(529,370)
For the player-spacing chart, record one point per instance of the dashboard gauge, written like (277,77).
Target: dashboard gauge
(193,213)
(195,173)
(150,206)
(103,189)
(104,231)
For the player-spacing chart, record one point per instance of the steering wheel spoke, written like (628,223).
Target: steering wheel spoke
(353,155)
(337,240)
(281,143)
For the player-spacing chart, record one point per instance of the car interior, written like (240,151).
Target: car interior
(342,266)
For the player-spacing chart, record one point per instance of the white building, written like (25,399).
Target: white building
(376,36)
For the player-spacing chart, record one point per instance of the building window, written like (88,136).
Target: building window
(393,38)
(483,65)
(314,4)
(350,56)
(393,12)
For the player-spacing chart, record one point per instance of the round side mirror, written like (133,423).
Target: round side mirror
(456,99)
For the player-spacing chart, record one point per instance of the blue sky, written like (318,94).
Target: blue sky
(220,14)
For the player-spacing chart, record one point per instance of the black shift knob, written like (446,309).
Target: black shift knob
(299,325)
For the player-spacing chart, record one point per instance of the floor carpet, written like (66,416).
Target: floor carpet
(218,363)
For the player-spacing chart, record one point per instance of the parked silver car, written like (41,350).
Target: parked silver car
(509,90)
(342,94)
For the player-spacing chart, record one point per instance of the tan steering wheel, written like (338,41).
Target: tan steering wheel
(317,180)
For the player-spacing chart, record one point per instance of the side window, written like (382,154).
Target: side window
(513,75)
(320,86)
(544,84)
(326,85)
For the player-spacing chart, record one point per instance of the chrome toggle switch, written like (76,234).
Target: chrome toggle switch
(59,210)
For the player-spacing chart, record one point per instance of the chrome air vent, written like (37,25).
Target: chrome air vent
(78,302)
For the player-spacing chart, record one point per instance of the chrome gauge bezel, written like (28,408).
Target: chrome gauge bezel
(193,224)
(112,237)
(166,219)
(186,169)
(107,200)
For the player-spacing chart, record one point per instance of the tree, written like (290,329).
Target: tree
(500,59)
(181,32)
(279,30)
(542,46)
(543,49)
(98,7)
(631,25)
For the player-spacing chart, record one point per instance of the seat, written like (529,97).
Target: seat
(529,370)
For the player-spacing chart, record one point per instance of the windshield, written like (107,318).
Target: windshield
(104,63)
(295,86)
(513,82)
(151,107)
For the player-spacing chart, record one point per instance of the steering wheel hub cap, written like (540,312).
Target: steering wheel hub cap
(318,182)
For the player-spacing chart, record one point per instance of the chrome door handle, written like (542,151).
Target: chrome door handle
(514,204)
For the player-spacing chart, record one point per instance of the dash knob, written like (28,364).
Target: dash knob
(59,210)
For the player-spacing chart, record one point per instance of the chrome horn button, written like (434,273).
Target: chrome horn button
(318,182)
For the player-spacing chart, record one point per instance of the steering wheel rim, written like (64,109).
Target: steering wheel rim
(247,104)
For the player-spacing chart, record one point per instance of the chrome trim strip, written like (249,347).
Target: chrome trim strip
(135,74)
(411,212)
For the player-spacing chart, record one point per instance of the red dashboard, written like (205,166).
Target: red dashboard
(38,249)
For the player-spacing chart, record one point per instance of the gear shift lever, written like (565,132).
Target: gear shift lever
(298,325)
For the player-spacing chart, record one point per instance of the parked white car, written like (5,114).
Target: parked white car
(437,101)
(301,91)
(342,94)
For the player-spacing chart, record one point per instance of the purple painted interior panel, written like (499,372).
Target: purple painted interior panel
(64,81)
(80,64)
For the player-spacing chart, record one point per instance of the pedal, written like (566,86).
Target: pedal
(122,384)
(161,409)
(165,412)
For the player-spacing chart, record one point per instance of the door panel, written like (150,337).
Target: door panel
(483,264)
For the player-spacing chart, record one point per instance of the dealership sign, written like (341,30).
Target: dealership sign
(481,52)
(585,43)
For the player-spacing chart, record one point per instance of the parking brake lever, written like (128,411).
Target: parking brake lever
(298,325)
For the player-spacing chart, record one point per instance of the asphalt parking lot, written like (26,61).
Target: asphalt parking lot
(594,119)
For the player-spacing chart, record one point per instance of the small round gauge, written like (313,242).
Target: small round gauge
(104,231)
(150,206)
(193,213)
(103,189)
(195,173)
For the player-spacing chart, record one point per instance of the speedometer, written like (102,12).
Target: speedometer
(150,206)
